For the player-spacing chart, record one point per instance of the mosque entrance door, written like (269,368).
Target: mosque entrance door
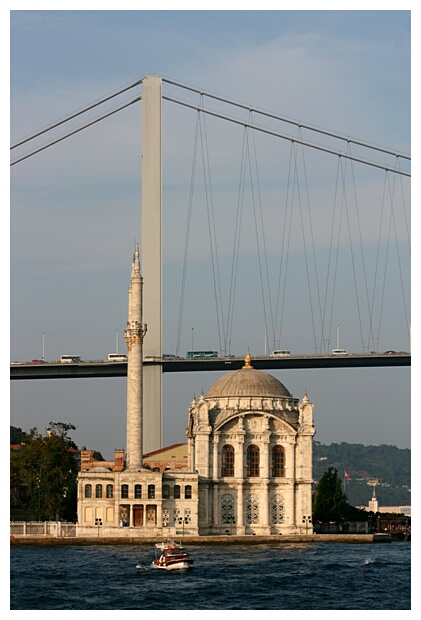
(138,516)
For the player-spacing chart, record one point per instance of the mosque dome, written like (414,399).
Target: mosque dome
(246,382)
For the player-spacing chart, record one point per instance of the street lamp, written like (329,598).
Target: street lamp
(181,521)
(231,521)
(98,523)
(306,521)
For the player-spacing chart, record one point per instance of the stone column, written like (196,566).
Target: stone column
(240,509)
(215,497)
(265,504)
(190,454)
(239,474)
(159,514)
(215,469)
(265,460)
(239,455)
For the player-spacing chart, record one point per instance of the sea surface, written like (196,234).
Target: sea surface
(230,577)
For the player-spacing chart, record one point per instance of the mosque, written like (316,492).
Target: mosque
(247,469)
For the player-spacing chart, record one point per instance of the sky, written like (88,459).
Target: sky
(75,207)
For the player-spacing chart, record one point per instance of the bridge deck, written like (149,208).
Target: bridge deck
(94,369)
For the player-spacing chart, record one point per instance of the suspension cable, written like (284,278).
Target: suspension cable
(287,120)
(82,111)
(71,133)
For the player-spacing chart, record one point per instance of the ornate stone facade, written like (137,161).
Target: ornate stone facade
(251,443)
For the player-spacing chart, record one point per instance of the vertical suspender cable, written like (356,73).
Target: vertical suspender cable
(370,309)
(236,244)
(323,341)
(312,245)
(265,254)
(212,234)
(392,210)
(286,238)
(187,241)
(257,232)
(305,249)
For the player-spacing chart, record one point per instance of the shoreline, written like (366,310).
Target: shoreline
(205,540)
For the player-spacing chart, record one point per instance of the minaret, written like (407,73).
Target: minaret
(133,336)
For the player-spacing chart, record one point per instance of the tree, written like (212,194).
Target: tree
(47,466)
(16,434)
(330,503)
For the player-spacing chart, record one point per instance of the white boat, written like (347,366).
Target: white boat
(172,557)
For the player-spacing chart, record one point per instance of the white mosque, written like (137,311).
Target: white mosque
(246,468)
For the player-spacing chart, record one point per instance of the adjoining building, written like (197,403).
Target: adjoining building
(248,467)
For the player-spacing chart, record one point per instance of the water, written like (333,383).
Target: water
(230,577)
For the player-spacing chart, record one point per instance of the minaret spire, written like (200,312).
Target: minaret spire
(133,336)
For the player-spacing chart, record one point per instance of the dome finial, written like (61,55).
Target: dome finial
(247,360)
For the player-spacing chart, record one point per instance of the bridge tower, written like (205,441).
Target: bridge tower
(151,250)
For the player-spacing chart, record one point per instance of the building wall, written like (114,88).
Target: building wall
(143,503)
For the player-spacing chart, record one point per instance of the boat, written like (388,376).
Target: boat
(172,556)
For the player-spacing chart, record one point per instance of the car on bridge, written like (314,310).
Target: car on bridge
(116,357)
(278,353)
(339,352)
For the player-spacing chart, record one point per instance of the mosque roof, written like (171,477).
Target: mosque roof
(248,382)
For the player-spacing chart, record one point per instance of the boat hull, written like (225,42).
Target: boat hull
(183,565)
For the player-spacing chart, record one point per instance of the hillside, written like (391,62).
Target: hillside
(389,465)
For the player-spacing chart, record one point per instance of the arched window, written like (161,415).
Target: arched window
(165,491)
(109,490)
(278,462)
(253,461)
(98,490)
(151,491)
(124,491)
(88,490)
(176,491)
(138,491)
(227,462)
(187,491)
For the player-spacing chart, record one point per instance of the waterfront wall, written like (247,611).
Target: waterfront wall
(63,535)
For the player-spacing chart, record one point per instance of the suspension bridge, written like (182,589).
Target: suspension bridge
(328,234)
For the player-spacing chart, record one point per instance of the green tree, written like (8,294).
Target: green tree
(47,466)
(16,434)
(330,503)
